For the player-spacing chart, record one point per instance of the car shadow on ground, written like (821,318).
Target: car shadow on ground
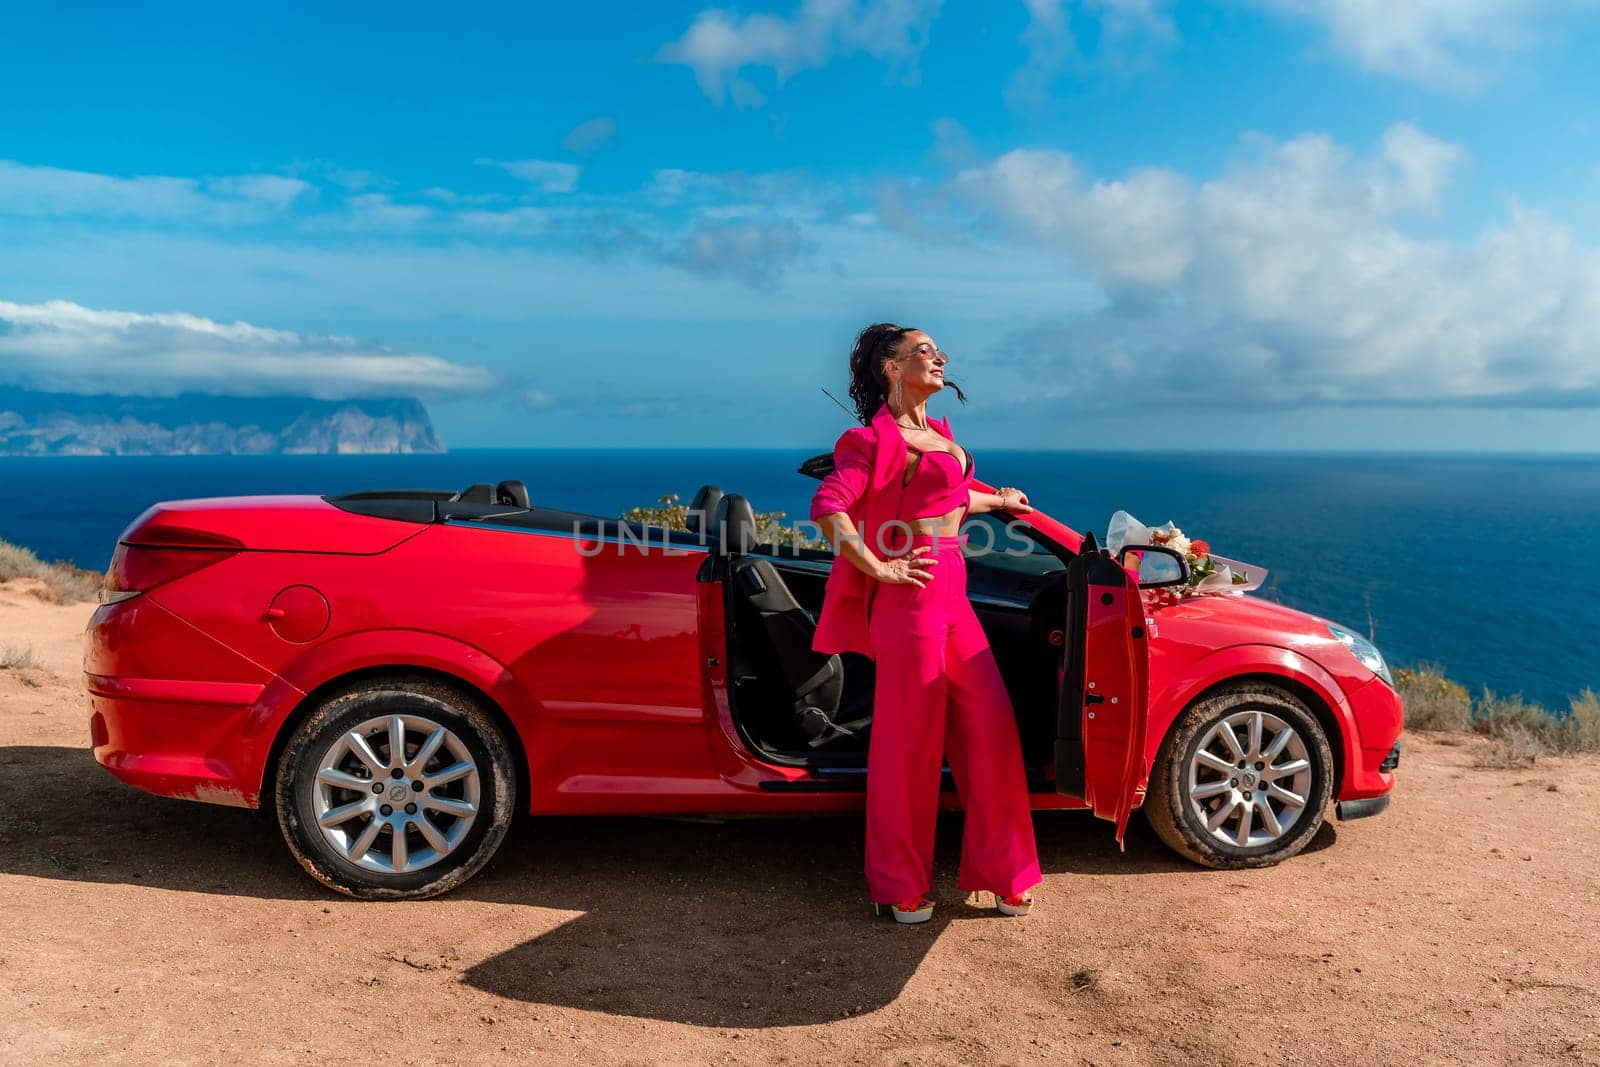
(743,922)
(746,923)
(62,816)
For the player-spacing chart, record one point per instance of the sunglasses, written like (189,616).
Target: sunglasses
(925,351)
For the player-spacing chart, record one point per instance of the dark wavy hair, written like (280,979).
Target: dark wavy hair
(869,385)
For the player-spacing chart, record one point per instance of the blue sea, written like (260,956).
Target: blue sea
(1478,564)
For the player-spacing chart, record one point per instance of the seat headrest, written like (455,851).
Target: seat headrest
(703,508)
(480,493)
(513,493)
(735,526)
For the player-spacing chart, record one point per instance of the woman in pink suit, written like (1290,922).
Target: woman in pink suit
(892,508)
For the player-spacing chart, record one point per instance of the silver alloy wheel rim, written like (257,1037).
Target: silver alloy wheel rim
(419,771)
(1248,779)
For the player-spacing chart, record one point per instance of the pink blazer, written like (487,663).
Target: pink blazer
(869,465)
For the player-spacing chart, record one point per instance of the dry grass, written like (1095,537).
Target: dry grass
(66,584)
(1085,978)
(13,658)
(1580,730)
(1432,701)
(1518,732)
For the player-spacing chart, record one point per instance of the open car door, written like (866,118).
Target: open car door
(1105,688)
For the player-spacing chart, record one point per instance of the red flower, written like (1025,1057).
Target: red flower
(1200,548)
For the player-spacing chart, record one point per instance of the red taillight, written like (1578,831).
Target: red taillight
(160,556)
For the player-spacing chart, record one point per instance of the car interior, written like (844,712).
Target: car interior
(798,706)
(793,705)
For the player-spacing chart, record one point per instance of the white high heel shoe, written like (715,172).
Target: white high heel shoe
(910,911)
(1020,904)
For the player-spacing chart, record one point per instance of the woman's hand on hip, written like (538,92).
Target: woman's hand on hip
(915,568)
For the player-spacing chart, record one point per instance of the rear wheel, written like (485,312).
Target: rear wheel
(1242,780)
(397,789)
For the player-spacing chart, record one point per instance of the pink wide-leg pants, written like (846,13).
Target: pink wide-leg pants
(939,694)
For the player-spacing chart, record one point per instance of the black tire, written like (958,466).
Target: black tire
(1172,814)
(477,737)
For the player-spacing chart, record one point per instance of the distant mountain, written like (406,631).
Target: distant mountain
(62,424)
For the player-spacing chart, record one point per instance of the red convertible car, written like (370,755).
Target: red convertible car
(397,673)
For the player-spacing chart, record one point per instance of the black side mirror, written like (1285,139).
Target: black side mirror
(1156,565)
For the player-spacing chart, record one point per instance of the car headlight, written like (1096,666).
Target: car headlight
(1363,650)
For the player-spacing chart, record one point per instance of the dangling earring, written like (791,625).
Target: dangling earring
(899,398)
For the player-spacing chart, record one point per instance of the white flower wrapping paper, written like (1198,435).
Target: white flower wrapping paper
(1222,581)
(1124,530)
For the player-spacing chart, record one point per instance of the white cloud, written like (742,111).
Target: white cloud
(65,347)
(271,190)
(719,44)
(670,185)
(349,178)
(1124,14)
(537,400)
(1439,43)
(380,211)
(508,221)
(1052,45)
(754,253)
(589,137)
(542,174)
(54,191)
(1291,279)
(678,217)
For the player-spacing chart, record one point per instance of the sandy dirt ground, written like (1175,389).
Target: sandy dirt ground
(1460,926)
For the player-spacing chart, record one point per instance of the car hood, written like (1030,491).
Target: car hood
(1214,622)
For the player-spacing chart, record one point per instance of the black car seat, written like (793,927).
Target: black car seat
(703,508)
(513,493)
(817,679)
(478,493)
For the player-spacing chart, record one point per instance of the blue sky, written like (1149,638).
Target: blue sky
(1299,224)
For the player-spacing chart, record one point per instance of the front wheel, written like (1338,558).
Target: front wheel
(396,789)
(1242,780)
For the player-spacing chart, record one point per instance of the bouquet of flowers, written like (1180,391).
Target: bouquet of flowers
(1208,572)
